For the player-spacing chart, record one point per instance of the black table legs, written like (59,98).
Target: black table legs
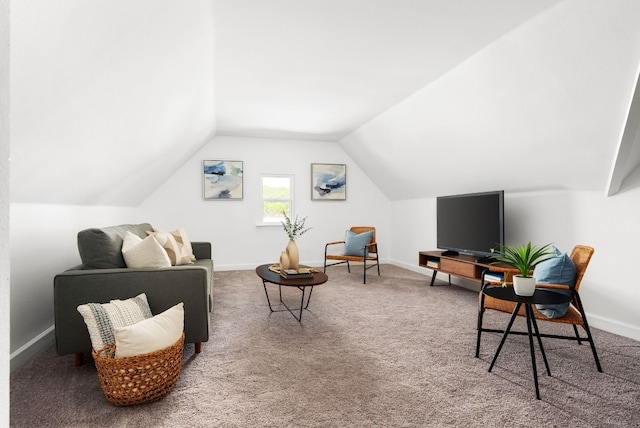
(302,305)
(531,324)
(504,336)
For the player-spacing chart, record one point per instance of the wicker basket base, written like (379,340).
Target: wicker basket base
(140,379)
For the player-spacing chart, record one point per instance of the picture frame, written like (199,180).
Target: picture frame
(328,182)
(222,180)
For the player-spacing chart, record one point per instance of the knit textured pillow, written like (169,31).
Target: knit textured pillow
(102,318)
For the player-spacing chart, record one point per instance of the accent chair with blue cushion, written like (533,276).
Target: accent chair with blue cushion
(359,246)
(557,275)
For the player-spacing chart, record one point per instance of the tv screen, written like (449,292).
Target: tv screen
(471,223)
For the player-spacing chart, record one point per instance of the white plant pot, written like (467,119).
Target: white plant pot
(524,286)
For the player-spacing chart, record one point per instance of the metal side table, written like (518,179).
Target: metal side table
(539,297)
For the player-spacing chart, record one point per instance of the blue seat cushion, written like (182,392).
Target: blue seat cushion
(355,243)
(559,270)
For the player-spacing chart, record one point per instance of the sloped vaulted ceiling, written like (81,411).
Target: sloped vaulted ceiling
(108,98)
(543,107)
(319,69)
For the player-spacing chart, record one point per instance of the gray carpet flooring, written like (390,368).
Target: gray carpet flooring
(392,353)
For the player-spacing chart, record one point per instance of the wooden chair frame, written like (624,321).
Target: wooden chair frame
(575,315)
(371,249)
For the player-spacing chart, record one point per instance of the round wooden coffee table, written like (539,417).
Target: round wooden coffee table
(302,283)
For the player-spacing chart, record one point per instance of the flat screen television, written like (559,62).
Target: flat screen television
(472,223)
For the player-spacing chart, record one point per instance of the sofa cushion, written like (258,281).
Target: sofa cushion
(142,253)
(102,318)
(151,334)
(101,248)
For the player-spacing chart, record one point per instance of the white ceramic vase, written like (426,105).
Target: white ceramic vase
(524,286)
(293,254)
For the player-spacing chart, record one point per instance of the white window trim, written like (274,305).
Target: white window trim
(278,223)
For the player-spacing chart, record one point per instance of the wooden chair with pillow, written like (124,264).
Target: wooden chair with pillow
(359,246)
(575,314)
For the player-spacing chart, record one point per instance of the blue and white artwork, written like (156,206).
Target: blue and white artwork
(328,181)
(222,179)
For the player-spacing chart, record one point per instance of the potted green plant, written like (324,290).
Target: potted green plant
(524,258)
(290,258)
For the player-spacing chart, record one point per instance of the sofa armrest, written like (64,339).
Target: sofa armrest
(164,288)
(202,250)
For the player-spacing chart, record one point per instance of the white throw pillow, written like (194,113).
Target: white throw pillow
(141,253)
(170,245)
(176,244)
(103,318)
(150,335)
(187,250)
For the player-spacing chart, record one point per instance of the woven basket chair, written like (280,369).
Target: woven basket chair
(580,255)
(372,250)
(139,379)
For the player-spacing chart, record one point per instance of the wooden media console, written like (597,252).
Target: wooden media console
(460,265)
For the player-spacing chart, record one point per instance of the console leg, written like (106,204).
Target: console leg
(198,346)
(480,314)
(79,359)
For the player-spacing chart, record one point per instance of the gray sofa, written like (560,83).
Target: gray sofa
(103,276)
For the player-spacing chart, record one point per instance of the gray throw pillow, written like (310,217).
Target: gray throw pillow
(101,248)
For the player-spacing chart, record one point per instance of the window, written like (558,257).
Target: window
(277,196)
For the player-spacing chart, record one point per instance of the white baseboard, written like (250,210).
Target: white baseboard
(252,266)
(613,326)
(31,348)
(411,267)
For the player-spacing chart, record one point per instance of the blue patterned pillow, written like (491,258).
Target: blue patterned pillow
(355,243)
(559,270)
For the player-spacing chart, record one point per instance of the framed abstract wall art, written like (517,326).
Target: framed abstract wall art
(328,181)
(222,180)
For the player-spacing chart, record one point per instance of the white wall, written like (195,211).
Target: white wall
(611,225)
(231,226)
(43,243)
(609,289)
(4,213)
